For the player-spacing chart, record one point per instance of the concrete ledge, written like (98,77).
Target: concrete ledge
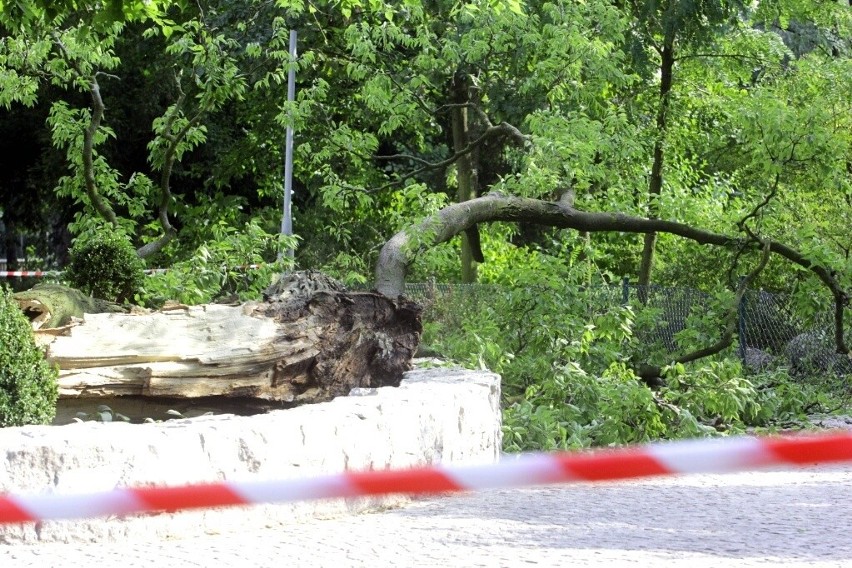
(435,416)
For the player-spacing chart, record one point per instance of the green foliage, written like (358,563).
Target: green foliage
(564,351)
(234,263)
(573,409)
(105,265)
(714,391)
(23,12)
(562,95)
(28,389)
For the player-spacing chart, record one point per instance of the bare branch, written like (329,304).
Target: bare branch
(721,56)
(741,224)
(730,318)
(504,128)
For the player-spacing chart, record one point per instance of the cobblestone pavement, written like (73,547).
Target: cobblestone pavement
(776,518)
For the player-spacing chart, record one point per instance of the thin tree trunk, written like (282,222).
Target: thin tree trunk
(465,171)
(655,182)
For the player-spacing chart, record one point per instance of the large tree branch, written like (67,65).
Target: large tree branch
(504,128)
(403,247)
(492,130)
(101,205)
(401,250)
(169,156)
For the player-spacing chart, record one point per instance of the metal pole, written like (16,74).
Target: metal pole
(287,220)
(741,323)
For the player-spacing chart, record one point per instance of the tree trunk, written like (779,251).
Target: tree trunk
(308,342)
(655,182)
(465,172)
(10,244)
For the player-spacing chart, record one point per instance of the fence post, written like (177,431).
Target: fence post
(741,326)
(625,290)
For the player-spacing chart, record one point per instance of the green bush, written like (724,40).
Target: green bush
(106,266)
(28,389)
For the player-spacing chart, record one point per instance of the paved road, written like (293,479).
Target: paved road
(777,518)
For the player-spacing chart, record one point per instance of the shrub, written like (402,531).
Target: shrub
(28,389)
(106,266)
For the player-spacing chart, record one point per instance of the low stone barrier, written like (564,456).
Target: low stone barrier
(435,416)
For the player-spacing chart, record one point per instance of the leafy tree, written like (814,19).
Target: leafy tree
(203,79)
(24,12)
(442,92)
(664,33)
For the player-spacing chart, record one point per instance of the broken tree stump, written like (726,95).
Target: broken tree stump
(54,305)
(309,341)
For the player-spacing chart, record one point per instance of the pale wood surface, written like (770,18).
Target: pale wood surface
(304,352)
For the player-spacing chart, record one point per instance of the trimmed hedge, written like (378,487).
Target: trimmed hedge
(28,390)
(106,266)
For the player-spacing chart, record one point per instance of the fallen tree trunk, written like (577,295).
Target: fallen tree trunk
(54,305)
(305,343)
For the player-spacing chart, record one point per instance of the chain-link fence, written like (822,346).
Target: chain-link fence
(769,334)
(772,334)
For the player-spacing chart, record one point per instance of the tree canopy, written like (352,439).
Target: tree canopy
(717,114)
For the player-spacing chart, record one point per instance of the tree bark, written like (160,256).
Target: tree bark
(306,343)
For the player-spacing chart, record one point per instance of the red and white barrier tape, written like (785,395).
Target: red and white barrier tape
(28,273)
(693,456)
(46,273)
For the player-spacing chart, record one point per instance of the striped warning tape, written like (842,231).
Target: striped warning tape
(51,273)
(28,273)
(693,456)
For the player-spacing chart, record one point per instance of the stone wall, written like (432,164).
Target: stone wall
(435,416)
